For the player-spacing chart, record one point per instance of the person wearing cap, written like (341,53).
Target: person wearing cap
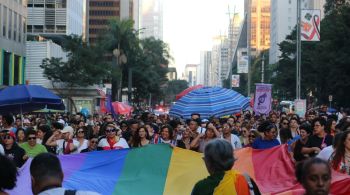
(113,140)
(12,150)
(65,145)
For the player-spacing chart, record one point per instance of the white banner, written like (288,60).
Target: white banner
(300,108)
(235,80)
(310,25)
(242,64)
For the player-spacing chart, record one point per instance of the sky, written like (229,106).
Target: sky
(190,25)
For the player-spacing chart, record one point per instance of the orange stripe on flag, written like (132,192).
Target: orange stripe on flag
(244,161)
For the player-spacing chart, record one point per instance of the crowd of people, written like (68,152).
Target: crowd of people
(318,134)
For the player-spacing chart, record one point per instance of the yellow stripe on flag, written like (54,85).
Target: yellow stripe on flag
(185,170)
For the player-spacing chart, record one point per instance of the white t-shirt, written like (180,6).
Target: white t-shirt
(82,146)
(2,150)
(121,144)
(326,153)
(60,147)
(235,141)
(201,129)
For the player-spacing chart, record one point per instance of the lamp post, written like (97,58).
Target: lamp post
(118,61)
(262,68)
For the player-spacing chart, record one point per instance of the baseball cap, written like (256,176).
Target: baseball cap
(68,129)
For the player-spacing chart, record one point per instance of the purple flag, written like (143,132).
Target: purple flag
(262,100)
(110,108)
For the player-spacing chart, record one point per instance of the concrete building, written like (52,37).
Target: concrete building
(284,20)
(151,19)
(13,18)
(203,73)
(101,11)
(191,74)
(259,14)
(52,18)
(37,51)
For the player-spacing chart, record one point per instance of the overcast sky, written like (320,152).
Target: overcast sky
(190,25)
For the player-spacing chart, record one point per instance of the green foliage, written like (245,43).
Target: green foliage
(325,65)
(173,88)
(82,68)
(148,59)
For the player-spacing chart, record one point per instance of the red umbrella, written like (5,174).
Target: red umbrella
(121,108)
(188,90)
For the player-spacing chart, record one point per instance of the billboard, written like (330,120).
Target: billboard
(235,80)
(242,64)
(310,25)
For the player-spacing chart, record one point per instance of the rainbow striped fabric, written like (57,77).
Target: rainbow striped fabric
(160,169)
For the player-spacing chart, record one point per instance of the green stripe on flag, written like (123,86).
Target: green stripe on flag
(145,171)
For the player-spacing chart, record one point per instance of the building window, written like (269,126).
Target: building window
(16,74)
(6,73)
(4,22)
(9,35)
(20,28)
(38,28)
(14,26)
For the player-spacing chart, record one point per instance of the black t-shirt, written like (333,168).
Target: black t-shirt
(16,154)
(315,141)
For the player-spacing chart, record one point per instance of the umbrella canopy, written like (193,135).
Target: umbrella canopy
(121,108)
(186,91)
(27,98)
(208,102)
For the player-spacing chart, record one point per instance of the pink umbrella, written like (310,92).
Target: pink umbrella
(121,108)
(188,90)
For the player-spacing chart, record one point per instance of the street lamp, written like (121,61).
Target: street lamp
(119,59)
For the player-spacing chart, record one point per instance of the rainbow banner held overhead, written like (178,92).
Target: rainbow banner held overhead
(160,169)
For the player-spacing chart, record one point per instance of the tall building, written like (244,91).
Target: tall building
(13,17)
(52,18)
(151,20)
(191,74)
(259,13)
(203,73)
(101,11)
(283,21)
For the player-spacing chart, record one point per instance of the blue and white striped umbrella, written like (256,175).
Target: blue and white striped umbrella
(208,102)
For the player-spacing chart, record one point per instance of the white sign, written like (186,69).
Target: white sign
(242,64)
(310,25)
(300,108)
(235,80)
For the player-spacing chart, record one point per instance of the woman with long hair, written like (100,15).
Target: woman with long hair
(80,136)
(340,159)
(20,135)
(141,137)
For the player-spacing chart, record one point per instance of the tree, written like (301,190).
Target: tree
(325,64)
(81,69)
(173,88)
(120,35)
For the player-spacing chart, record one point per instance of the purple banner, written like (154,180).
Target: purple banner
(262,100)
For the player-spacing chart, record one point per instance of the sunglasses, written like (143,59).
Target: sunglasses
(31,138)
(252,136)
(110,130)
(285,123)
(6,137)
(80,131)
(93,142)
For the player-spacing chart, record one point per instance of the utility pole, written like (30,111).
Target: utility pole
(298,67)
(262,68)
(248,43)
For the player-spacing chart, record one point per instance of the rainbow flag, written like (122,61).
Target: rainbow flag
(160,169)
